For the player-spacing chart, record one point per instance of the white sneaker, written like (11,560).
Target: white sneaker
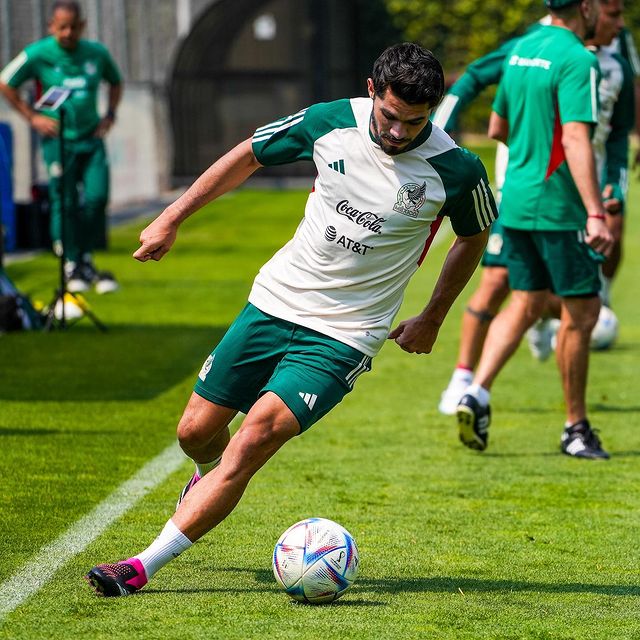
(77,282)
(539,339)
(105,282)
(452,395)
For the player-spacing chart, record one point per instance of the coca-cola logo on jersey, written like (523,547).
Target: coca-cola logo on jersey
(365,219)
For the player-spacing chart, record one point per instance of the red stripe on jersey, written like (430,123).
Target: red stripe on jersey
(557,151)
(433,229)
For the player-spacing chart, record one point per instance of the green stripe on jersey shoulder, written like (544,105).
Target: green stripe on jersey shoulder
(293,138)
(317,120)
(324,117)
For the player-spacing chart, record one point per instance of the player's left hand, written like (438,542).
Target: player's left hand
(611,203)
(104,126)
(415,335)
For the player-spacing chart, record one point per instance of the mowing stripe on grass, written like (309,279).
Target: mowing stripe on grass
(38,571)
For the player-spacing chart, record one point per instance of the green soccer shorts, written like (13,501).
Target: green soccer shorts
(309,371)
(557,260)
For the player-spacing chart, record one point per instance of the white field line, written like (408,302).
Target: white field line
(39,570)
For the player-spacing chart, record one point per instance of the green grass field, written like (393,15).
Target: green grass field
(517,542)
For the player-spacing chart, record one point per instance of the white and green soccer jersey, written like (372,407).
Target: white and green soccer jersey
(368,222)
(625,46)
(615,121)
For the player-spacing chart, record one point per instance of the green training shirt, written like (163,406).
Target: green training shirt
(549,79)
(81,70)
(479,75)
(368,223)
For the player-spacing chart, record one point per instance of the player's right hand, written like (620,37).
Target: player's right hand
(45,126)
(155,241)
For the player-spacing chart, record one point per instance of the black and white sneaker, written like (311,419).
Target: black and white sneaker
(77,281)
(105,282)
(473,423)
(581,441)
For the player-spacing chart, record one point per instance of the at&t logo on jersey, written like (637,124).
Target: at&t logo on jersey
(411,197)
(331,235)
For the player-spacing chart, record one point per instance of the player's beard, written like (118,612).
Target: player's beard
(590,29)
(590,33)
(388,149)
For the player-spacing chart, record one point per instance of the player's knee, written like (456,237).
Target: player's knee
(531,307)
(191,433)
(583,318)
(588,320)
(265,433)
(258,440)
(487,300)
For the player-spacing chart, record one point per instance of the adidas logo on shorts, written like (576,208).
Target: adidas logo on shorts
(309,399)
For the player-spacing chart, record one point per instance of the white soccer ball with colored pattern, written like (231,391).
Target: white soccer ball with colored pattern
(315,560)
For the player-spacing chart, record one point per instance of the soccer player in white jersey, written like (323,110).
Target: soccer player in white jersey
(322,307)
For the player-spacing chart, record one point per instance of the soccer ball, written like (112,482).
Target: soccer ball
(605,332)
(315,560)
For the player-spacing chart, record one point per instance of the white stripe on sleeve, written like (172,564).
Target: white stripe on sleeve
(12,68)
(444,111)
(594,95)
(260,136)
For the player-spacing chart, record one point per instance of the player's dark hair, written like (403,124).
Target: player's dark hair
(67,5)
(411,72)
(567,11)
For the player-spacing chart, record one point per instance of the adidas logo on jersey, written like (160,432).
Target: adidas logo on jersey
(309,399)
(338,166)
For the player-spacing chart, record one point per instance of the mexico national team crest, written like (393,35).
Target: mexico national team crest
(206,367)
(411,197)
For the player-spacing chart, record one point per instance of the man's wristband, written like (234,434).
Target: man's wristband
(597,216)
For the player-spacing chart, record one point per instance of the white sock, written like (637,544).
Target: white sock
(168,545)
(462,375)
(481,394)
(202,468)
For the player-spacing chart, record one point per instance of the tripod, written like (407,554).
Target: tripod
(62,293)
